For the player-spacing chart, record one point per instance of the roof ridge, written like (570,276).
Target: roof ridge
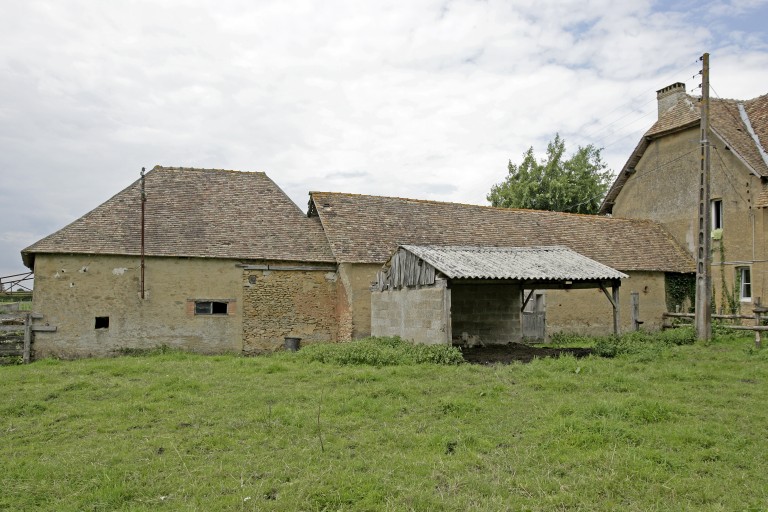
(492,248)
(487,207)
(194,169)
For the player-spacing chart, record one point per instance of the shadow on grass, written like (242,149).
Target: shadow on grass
(517,352)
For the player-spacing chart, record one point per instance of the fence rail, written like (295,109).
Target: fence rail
(17,334)
(8,283)
(757,317)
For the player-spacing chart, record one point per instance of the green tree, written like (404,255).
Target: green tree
(575,185)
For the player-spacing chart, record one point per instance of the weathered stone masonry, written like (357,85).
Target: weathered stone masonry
(280,303)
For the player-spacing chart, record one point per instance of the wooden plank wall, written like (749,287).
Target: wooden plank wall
(405,269)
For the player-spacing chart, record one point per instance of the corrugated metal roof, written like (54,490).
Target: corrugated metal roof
(553,263)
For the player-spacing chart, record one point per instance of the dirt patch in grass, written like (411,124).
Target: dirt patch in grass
(506,354)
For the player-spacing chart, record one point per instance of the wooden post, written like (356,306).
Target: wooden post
(758,335)
(27,338)
(635,310)
(615,290)
(613,298)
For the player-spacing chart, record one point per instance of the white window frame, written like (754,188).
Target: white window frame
(744,275)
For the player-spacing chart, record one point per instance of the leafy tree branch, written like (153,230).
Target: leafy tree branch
(576,184)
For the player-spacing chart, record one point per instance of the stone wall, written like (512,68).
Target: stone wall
(355,299)
(280,303)
(71,291)
(588,312)
(422,315)
(487,313)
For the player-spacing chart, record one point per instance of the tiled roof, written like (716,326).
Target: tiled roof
(726,121)
(684,113)
(205,213)
(518,263)
(762,197)
(367,229)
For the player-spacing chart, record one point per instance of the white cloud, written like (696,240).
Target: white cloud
(425,98)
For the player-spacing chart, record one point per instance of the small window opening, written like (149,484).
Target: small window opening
(717,214)
(210,308)
(102,322)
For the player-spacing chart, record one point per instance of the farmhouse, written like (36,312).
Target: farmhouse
(223,261)
(660,182)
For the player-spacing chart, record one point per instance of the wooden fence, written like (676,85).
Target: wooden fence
(757,318)
(17,334)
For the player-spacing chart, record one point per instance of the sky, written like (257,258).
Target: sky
(416,98)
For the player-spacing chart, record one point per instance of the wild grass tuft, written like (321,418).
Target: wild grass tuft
(381,351)
(639,343)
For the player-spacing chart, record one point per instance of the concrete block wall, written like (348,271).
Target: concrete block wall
(490,312)
(422,315)
(280,303)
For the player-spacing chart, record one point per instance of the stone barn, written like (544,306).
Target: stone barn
(228,263)
(476,295)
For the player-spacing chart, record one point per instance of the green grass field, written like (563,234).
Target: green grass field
(667,428)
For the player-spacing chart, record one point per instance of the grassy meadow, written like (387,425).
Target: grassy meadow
(659,426)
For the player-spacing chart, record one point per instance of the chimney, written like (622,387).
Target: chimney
(669,96)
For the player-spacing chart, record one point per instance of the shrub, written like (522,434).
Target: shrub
(381,351)
(679,336)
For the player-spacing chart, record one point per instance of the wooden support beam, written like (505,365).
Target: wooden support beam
(608,295)
(525,302)
(616,310)
(635,311)
(758,311)
(613,298)
(318,268)
(27,338)
(44,328)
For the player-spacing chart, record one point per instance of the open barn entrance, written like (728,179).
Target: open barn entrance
(474,295)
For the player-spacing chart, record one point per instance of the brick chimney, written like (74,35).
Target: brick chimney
(669,96)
